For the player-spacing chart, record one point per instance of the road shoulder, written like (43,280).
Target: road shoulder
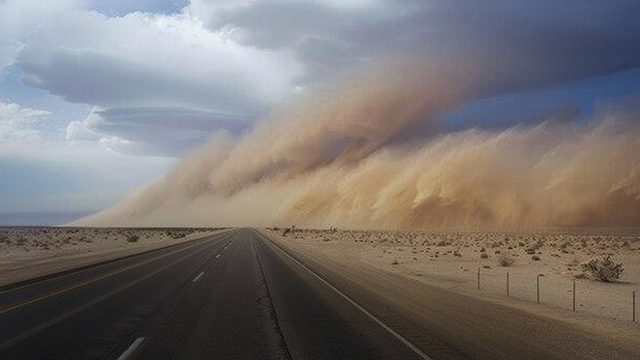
(480,328)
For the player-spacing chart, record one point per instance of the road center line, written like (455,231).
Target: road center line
(198,277)
(125,355)
(370,315)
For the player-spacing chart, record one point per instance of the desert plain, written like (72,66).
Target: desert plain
(552,260)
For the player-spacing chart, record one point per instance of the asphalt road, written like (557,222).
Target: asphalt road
(241,295)
(233,295)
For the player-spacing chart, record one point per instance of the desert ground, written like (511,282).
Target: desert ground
(27,252)
(452,260)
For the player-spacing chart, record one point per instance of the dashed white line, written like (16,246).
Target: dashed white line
(125,355)
(217,256)
(198,277)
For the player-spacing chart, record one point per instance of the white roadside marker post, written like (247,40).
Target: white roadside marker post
(538,288)
(574,295)
(507,284)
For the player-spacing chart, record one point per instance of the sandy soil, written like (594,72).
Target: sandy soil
(27,252)
(451,260)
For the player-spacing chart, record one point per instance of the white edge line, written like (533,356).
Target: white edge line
(373,317)
(125,355)
(198,277)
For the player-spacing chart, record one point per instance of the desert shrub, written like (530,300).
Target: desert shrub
(505,260)
(604,269)
(534,247)
(176,234)
(133,238)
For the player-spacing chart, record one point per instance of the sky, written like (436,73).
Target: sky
(98,97)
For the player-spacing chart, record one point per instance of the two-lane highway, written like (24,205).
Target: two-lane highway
(242,295)
(229,296)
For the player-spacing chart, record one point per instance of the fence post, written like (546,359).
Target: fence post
(478,278)
(538,288)
(574,295)
(507,283)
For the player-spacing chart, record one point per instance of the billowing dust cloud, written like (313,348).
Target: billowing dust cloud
(371,156)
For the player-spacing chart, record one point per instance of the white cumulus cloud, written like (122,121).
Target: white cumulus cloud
(19,124)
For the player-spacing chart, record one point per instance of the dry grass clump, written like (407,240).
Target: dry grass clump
(604,269)
(506,260)
(174,234)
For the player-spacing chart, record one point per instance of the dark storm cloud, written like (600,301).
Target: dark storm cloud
(525,44)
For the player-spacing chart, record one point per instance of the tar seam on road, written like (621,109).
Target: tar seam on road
(274,314)
(18,338)
(125,355)
(370,315)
